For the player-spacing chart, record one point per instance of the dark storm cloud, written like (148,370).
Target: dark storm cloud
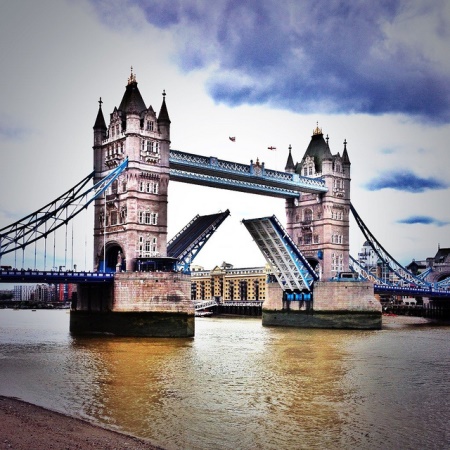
(405,181)
(311,55)
(424,220)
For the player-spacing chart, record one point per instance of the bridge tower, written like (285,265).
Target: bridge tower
(147,296)
(319,223)
(130,227)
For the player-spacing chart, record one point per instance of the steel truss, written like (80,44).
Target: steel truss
(187,243)
(403,274)
(290,267)
(55,214)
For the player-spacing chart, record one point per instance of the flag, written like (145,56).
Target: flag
(232,139)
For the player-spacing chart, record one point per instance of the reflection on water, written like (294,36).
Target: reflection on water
(238,385)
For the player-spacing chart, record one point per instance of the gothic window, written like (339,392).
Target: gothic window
(117,130)
(308,215)
(156,147)
(148,187)
(155,188)
(141,186)
(141,216)
(114,186)
(300,240)
(154,244)
(307,238)
(150,125)
(316,239)
(143,145)
(114,217)
(310,170)
(305,171)
(148,218)
(124,186)
(149,146)
(154,218)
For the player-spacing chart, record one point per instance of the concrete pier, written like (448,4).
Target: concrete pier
(152,304)
(336,304)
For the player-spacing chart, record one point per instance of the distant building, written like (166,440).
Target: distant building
(225,283)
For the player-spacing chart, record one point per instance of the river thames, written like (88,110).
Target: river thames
(237,384)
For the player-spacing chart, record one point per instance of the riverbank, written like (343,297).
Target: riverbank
(24,426)
(399,321)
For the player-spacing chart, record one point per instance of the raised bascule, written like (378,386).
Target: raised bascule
(142,286)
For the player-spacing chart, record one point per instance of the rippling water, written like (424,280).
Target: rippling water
(238,385)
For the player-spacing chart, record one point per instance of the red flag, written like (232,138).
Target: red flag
(232,139)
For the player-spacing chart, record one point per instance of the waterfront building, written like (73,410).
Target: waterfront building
(23,292)
(226,283)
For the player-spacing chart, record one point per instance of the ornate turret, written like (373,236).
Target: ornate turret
(290,167)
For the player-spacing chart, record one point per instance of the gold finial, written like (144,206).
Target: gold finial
(132,77)
(164,93)
(317,130)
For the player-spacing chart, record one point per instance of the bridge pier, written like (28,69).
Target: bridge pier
(151,304)
(336,304)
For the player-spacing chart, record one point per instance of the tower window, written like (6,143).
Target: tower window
(150,125)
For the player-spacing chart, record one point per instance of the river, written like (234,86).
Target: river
(237,384)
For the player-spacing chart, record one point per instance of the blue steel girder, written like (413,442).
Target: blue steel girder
(290,267)
(405,276)
(356,267)
(55,214)
(253,178)
(188,242)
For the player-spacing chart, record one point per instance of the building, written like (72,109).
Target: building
(226,283)
(130,231)
(319,223)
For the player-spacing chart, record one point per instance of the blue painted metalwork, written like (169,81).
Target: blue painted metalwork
(55,214)
(405,276)
(254,178)
(383,287)
(187,243)
(291,269)
(39,276)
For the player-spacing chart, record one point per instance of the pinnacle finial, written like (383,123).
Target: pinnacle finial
(132,77)
(345,144)
(164,93)
(100,103)
(317,130)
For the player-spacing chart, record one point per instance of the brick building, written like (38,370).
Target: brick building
(226,283)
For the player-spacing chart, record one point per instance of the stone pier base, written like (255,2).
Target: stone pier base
(343,305)
(152,304)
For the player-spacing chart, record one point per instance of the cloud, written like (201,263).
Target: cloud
(404,181)
(11,131)
(424,220)
(311,56)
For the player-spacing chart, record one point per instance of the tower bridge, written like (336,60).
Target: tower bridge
(145,282)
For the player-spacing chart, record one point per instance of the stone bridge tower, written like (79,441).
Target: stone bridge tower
(319,223)
(130,230)
(146,296)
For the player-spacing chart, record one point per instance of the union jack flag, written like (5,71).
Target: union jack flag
(232,139)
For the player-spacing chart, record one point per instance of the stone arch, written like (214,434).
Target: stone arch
(114,256)
(435,277)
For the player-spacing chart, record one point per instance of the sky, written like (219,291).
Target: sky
(374,73)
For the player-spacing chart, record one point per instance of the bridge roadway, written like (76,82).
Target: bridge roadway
(53,276)
(253,178)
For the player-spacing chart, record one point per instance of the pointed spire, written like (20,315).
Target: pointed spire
(163,114)
(100,123)
(132,101)
(290,162)
(345,158)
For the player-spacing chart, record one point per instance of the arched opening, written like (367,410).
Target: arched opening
(114,255)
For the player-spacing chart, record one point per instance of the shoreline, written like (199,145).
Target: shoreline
(24,426)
